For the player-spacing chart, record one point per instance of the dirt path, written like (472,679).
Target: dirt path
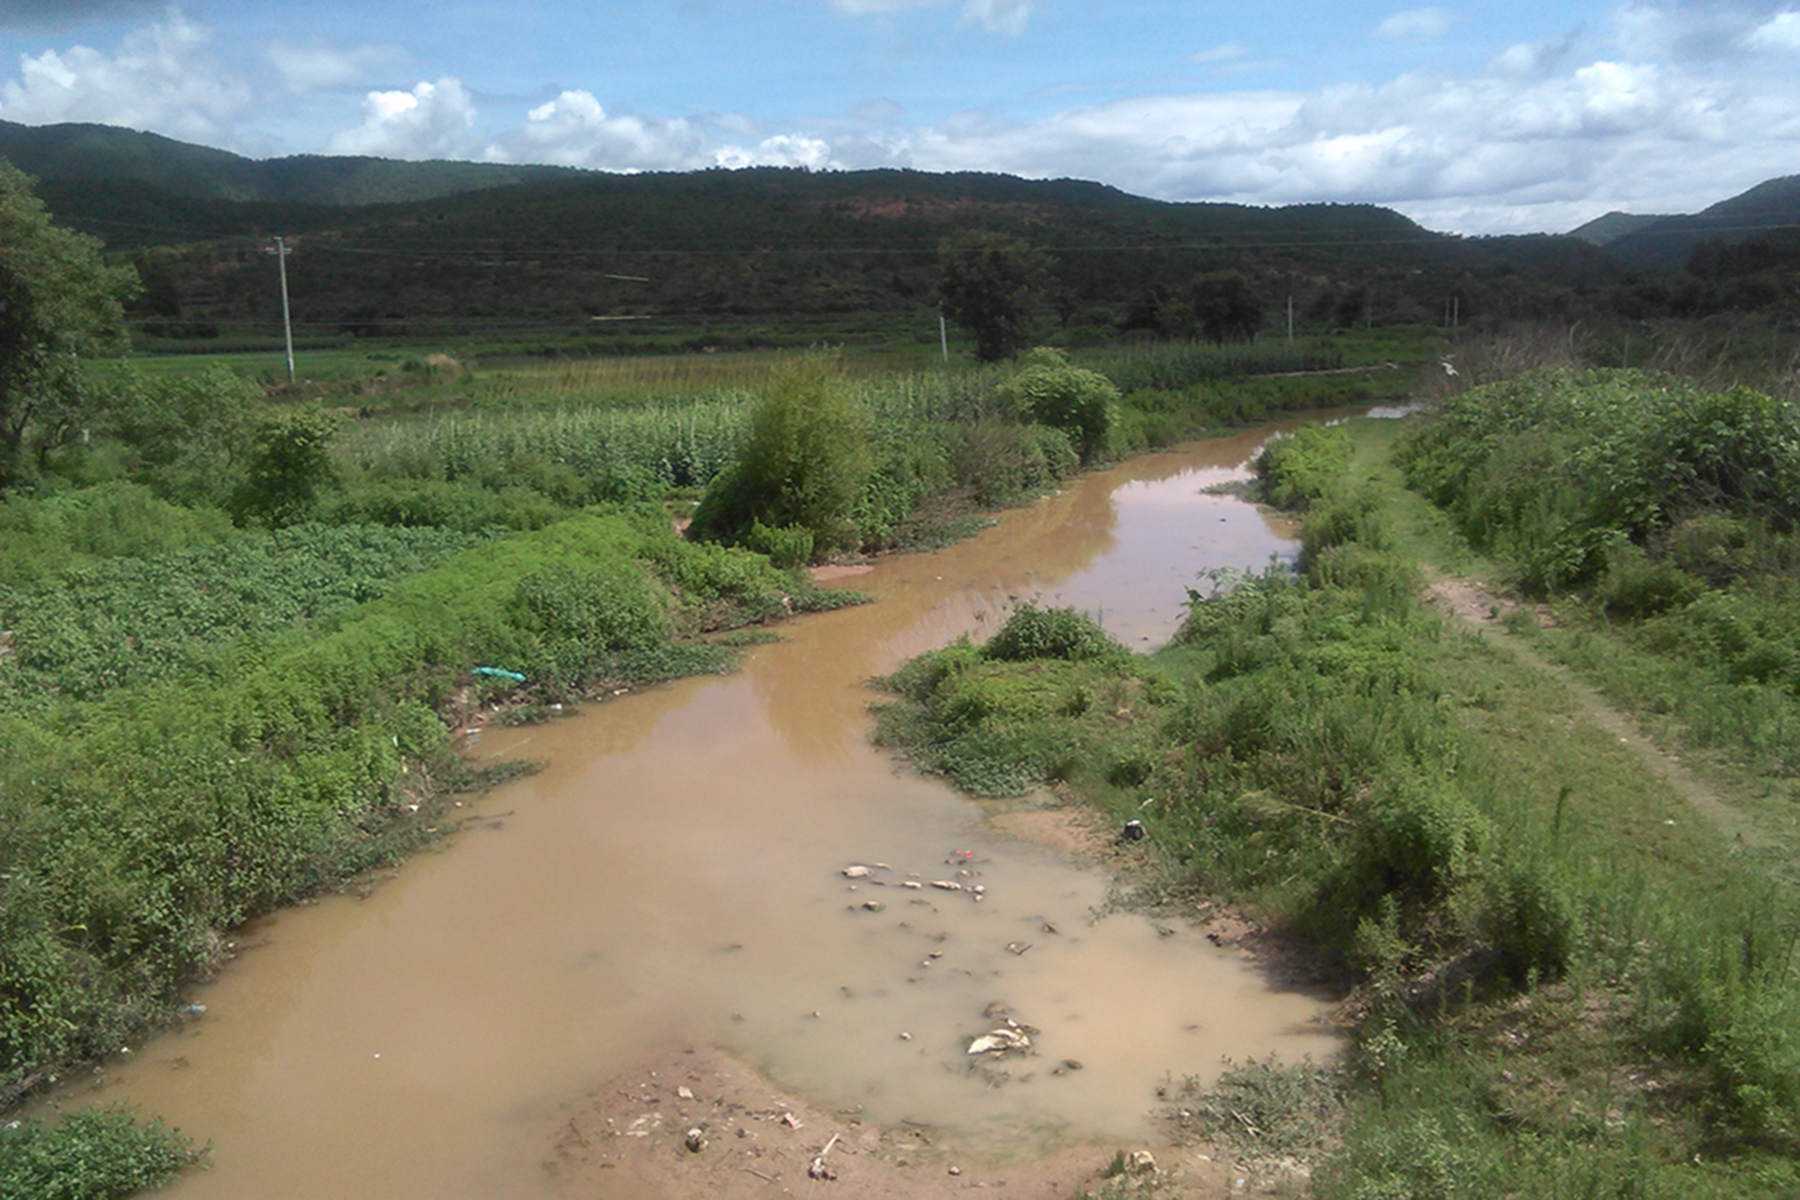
(1475,605)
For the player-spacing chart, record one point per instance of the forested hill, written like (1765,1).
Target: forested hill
(1666,243)
(718,243)
(74,153)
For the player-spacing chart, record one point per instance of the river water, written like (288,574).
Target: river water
(676,871)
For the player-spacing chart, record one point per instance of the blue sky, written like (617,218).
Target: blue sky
(1470,117)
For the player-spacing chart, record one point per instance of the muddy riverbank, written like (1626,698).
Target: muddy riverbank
(675,877)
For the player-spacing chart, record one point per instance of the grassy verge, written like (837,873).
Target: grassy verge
(1559,991)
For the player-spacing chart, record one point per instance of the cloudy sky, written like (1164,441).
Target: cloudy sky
(1472,116)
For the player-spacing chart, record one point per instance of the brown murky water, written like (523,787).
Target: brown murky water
(675,872)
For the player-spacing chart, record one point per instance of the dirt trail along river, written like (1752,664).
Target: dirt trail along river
(676,872)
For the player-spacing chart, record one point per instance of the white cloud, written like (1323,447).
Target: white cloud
(1780,33)
(313,64)
(162,77)
(996,16)
(782,150)
(1415,25)
(433,120)
(1223,52)
(575,130)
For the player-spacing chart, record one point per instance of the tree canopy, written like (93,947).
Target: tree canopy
(59,302)
(985,284)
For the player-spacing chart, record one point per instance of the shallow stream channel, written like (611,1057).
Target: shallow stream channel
(676,874)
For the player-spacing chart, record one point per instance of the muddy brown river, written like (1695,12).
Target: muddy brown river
(676,872)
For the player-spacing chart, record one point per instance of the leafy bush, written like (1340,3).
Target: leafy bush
(1530,919)
(597,606)
(1032,632)
(290,462)
(787,546)
(804,463)
(1555,468)
(92,1154)
(1075,400)
(1294,470)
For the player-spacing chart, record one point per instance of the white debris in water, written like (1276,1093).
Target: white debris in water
(856,872)
(1003,1040)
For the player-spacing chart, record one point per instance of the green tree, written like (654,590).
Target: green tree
(1228,310)
(59,303)
(1051,391)
(804,466)
(289,464)
(985,284)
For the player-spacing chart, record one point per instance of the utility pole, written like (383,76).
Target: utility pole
(287,324)
(1290,319)
(944,335)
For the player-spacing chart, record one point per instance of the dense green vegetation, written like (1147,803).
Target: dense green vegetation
(1672,513)
(1570,982)
(95,1154)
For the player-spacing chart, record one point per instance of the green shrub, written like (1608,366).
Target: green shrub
(598,606)
(1634,585)
(290,462)
(804,463)
(92,1154)
(786,546)
(1530,918)
(1075,400)
(1032,632)
(1294,470)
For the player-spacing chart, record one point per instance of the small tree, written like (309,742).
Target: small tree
(1051,391)
(59,303)
(804,466)
(289,465)
(1228,310)
(985,285)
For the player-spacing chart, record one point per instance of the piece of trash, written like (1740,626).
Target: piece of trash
(912,884)
(905,1037)
(1017,948)
(856,872)
(790,1120)
(695,1140)
(1133,831)
(498,673)
(1004,1040)
(1141,1162)
(195,1010)
(949,885)
(956,1170)
(873,905)
(818,1169)
(682,1093)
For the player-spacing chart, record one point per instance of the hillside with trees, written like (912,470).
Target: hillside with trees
(541,256)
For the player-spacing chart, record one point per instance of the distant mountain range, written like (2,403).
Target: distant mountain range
(1664,243)
(94,153)
(385,246)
